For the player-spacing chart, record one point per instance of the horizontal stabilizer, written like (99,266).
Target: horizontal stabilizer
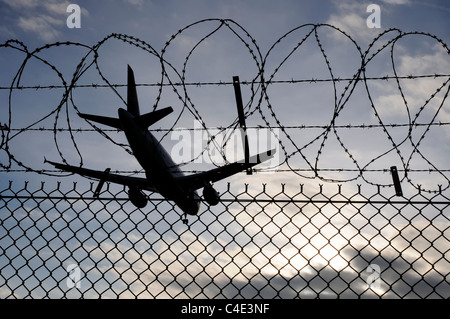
(109,121)
(150,118)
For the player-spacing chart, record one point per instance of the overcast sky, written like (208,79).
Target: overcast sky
(224,55)
(218,58)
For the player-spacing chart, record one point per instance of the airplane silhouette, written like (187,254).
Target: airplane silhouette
(162,174)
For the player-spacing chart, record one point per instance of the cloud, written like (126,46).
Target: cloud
(431,59)
(44,26)
(351,17)
(434,61)
(6,32)
(21,4)
(138,3)
(397,2)
(57,8)
(44,20)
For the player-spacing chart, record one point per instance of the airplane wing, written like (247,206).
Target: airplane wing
(141,183)
(196,181)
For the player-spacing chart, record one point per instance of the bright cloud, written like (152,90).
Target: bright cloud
(351,18)
(44,26)
(46,20)
(397,1)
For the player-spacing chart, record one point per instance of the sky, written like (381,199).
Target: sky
(257,32)
(221,56)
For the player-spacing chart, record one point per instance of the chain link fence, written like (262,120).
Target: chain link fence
(57,241)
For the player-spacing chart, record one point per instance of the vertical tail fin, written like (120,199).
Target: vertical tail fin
(132,99)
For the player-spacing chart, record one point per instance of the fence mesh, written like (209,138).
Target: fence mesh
(362,108)
(57,241)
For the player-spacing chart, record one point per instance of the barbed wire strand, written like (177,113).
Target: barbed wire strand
(259,102)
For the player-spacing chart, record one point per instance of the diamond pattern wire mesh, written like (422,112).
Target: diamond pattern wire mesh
(255,244)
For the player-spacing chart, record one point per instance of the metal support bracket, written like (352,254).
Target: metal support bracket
(101,182)
(241,116)
(396,180)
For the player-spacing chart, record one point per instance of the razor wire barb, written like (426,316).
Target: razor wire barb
(259,102)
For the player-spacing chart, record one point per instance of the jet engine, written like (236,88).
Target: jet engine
(137,197)
(211,195)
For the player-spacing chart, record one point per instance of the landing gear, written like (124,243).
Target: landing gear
(184,219)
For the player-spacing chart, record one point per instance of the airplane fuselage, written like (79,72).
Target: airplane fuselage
(159,167)
(162,174)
